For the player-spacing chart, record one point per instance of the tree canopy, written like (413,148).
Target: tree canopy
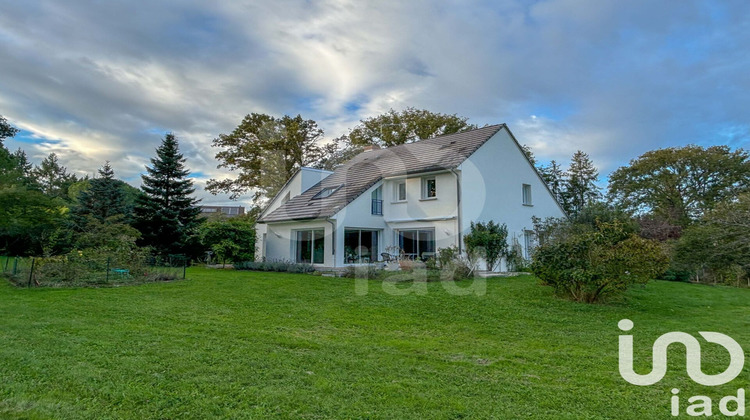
(265,151)
(680,184)
(393,128)
(6,130)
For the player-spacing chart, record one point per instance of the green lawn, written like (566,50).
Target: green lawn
(255,345)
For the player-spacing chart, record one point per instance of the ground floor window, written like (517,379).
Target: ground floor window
(360,246)
(310,246)
(417,244)
(528,242)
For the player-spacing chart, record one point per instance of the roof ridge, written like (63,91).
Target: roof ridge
(446,135)
(408,158)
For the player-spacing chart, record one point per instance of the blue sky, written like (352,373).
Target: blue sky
(95,81)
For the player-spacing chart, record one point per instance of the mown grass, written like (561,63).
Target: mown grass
(227,344)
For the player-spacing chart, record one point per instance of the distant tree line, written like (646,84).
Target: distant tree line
(45,210)
(691,200)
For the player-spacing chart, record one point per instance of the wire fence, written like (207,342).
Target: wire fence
(97,270)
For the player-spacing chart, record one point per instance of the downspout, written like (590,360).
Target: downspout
(333,239)
(458,208)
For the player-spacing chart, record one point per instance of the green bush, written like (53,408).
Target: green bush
(489,241)
(361,272)
(279,266)
(447,255)
(592,265)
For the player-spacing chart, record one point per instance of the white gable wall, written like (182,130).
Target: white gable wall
(492,179)
(302,181)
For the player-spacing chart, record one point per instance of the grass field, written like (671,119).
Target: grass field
(255,345)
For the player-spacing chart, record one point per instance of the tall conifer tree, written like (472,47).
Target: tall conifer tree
(166,213)
(581,183)
(103,199)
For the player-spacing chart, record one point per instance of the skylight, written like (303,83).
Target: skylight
(326,192)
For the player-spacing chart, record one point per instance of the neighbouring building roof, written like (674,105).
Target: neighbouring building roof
(230,211)
(367,168)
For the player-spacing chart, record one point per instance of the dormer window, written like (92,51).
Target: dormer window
(326,192)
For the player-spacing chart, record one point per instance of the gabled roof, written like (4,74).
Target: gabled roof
(367,168)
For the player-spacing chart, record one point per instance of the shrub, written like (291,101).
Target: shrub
(515,259)
(673,274)
(447,255)
(456,269)
(490,240)
(589,266)
(361,272)
(279,266)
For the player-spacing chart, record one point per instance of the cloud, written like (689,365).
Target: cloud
(104,80)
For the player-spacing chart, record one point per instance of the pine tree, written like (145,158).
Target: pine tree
(103,199)
(581,188)
(554,177)
(166,213)
(53,178)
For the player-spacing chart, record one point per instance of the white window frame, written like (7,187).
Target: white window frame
(526,194)
(425,189)
(397,195)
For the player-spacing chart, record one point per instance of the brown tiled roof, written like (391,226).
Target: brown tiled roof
(367,168)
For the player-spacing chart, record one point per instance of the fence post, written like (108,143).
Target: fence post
(31,272)
(107,279)
(184,268)
(15,266)
(7,260)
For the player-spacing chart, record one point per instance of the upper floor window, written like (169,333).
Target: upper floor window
(526,194)
(401,190)
(429,188)
(326,192)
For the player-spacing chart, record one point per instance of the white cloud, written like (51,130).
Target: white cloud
(105,80)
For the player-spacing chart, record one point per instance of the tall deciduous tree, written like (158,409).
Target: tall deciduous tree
(719,246)
(11,169)
(338,152)
(6,130)
(393,128)
(27,217)
(581,189)
(166,213)
(265,151)
(680,184)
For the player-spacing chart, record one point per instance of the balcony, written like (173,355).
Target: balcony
(377,207)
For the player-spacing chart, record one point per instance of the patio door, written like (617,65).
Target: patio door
(360,246)
(417,243)
(310,246)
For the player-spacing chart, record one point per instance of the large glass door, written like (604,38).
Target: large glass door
(417,243)
(310,246)
(360,246)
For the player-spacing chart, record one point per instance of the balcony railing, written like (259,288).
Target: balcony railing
(377,207)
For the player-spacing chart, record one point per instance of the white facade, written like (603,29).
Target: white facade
(420,213)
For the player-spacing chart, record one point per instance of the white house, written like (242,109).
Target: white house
(411,199)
